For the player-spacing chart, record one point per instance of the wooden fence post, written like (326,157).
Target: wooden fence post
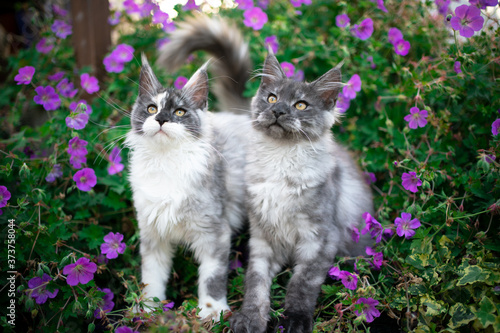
(91,33)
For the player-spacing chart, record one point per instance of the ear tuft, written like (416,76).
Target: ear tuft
(148,83)
(197,87)
(272,69)
(329,85)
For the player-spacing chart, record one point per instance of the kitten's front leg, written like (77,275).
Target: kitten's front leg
(302,293)
(156,258)
(254,313)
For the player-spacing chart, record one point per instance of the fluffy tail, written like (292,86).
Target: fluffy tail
(224,41)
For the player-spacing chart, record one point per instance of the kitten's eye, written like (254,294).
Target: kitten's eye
(152,109)
(272,99)
(179,112)
(300,105)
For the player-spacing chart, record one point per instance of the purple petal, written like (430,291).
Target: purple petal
(466,32)
(456,23)
(476,23)
(461,11)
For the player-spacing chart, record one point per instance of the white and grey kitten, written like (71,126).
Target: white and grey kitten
(187,177)
(305,194)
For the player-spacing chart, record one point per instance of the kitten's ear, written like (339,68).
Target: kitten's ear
(197,87)
(148,83)
(329,86)
(272,69)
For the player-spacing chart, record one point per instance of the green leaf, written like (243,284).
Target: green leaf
(486,311)
(460,315)
(434,308)
(472,274)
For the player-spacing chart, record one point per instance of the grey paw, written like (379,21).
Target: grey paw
(295,323)
(242,323)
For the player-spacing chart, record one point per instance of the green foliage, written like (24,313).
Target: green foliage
(445,278)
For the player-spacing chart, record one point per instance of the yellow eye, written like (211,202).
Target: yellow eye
(152,109)
(180,112)
(300,106)
(272,99)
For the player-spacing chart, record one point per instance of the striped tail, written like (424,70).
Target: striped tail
(231,66)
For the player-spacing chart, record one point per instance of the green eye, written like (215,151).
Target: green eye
(152,109)
(272,99)
(179,112)
(300,105)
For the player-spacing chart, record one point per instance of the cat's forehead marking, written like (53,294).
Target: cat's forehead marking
(161,98)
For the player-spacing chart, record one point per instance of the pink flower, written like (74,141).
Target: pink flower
(77,161)
(378,258)
(334,272)
(342,20)
(66,88)
(272,42)
(394,35)
(113,245)
(82,271)
(61,29)
(112,64)
(410,181)
(494,127)
(352,86)
(89,83)
(363,30)
(457,67)
(38,289)
(190,5)
(25,75)
(288,68)
(45,45)
(467,19)
(160,17)
(114,162)
(123,52)
(180,82)
(47,97)
(405,226)
(343,103)
(350,281)
(381,6)
(168,306)
(416,118)
(4,196)
(369,310)
(114,18)
(77,120)
(402,47)
(85,179)
(76,147)
(80,106)
(355,234)
(244,4)
(106,305)
(56,77)
(372,226)
(255,18)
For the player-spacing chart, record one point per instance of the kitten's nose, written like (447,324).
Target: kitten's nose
(161,119)
(280,109)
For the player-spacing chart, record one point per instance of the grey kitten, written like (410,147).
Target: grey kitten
(305,193)
(187,177)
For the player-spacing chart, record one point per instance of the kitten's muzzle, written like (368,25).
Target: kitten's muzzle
(279,109)
(162,118)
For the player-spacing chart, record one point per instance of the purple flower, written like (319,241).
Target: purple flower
(106,305)
(112,64)
(370,177)
(25,75)
(411,181)
(45,45)
(298,3)
(288,68)
(76,147)
(394,35)
(334,272)
(61,29)
(38,289)
(168,306)
(369,310)
(56,172)
(342,20)
(352,86)
(416,118)
(484,3)
(125,329)
(113,245)
(244,4)
(402,47)
(160,17)
(66,88)
(82,271)
(298,76)
(350,281)
(405,226)
(494,127)
(255,18)
(85,179)
(77,120)
(263,3)
(56,77)
(89,83)
(168,27)
(77,161)
(80,106)
(372,226)
(235,264)
(4,196)
(457,67)
(343,103)
(388,233)
(180,82)
(161,42)
(114,18)
(272,42)
(131,7)
(381,6)
(114,160)
(442,6)
(363,30)
(467,19)
(489,158)
(378,258)
(355,234)
(59,11)
(123,52)
(47,97)
(190,5)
